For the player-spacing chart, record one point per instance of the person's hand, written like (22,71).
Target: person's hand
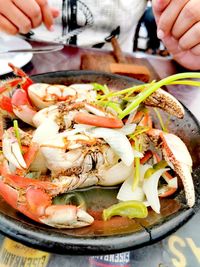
(178,24)
(20,16)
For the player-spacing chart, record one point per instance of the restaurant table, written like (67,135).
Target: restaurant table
(181,248)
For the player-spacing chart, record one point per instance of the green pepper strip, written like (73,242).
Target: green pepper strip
(130,209)
(158,166)
(17,134)
(146,93)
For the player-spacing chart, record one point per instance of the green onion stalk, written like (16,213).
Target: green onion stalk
(174,79)
(160,119)
(127,91)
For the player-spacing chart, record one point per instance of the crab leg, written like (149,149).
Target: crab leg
(25,80)
(6,105)
(6,89)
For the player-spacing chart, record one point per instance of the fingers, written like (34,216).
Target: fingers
(21,16)
(188,17)
(196,50)
(55,12)
(32,11)
(178,24)
(172,45)
(17,18)
(191,38)
(188,59)
(179,19)
(7,26)
(47,16)
(169,16)
(158,7)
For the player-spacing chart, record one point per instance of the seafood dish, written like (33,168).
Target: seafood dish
(57,138)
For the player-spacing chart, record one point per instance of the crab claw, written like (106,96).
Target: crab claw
(12,150)
(66,216)
(7,88)
(167,102)
(177,155)
(20,193)
(22,107)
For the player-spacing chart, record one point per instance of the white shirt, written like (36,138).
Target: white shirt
(90,23)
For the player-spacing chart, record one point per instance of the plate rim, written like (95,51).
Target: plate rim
(72,244)
(27,56)
(75,245)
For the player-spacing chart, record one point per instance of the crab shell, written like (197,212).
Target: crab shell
(178,157)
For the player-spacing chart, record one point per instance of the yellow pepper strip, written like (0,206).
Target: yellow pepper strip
(158,166)
(17,134)
(136,178)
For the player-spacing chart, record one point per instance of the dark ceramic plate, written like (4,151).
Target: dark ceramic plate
(118,234)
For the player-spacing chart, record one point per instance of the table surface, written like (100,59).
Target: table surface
(181,248)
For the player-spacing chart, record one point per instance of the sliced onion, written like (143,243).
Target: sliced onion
(82,127)
(47,129)
(150,187)
(12,167)
(138,154)
(126,193)
(173,182)
(117,141)
(114,175)
(127,129)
